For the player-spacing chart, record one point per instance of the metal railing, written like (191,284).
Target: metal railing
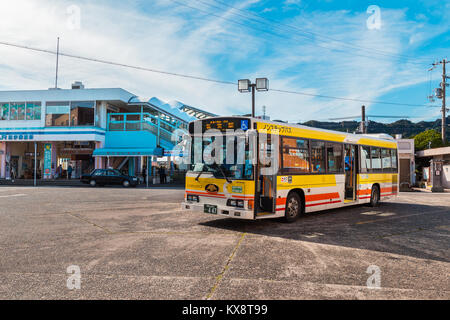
(141,122)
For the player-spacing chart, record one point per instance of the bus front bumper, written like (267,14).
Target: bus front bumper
(225,211)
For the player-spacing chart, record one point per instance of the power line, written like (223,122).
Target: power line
(117,63)
(304,34)
(349,99)
(195,77)
(314,34)
(208,13)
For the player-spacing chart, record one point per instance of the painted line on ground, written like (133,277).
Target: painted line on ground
(14,195)
(225,268)
(90,222)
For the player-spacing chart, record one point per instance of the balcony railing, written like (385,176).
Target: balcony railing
(141,122)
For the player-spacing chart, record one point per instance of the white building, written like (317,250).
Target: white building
(82,128)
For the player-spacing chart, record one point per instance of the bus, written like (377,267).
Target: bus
(310,169)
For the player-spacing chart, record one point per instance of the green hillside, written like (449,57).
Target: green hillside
(404,127)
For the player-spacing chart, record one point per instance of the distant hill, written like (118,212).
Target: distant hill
(406,128)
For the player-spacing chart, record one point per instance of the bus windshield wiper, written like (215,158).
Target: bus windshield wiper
(223,173)
(200,173)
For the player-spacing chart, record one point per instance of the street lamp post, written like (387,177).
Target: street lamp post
(261,84)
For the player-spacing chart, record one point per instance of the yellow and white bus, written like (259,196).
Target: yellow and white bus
(315,169)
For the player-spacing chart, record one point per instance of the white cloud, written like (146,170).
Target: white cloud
(175,39)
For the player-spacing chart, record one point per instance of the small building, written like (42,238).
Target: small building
(407,176)
(441,169)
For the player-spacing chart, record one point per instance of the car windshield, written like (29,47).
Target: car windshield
(238,165)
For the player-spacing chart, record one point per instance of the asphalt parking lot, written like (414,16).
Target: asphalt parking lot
(139,244)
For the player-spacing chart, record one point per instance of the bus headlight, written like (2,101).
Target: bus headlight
(235,203)
(191,197)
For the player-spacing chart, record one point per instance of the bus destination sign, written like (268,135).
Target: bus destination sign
(223,124)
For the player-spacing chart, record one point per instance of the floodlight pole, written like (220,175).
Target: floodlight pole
(253,86)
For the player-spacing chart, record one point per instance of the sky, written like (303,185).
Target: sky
(374,50)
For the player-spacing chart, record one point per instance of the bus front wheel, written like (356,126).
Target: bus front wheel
(293,207)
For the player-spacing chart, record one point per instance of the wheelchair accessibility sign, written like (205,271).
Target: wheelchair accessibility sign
(244,125)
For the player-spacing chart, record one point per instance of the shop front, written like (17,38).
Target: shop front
(49,159)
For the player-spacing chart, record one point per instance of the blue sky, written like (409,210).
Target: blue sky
(322,47)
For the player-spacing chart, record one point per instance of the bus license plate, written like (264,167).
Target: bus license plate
(210,209)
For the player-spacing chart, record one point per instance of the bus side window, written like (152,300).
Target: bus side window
(365,159)
(394,159)
(334,156)
(318,156)
(375,154)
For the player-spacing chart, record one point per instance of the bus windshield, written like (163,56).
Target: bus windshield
(237,165)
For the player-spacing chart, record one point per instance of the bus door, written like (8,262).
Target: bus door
(350,172)
(267,183)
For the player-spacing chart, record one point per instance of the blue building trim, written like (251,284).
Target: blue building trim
(49,132)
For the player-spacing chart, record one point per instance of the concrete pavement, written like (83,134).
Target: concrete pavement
(139,244)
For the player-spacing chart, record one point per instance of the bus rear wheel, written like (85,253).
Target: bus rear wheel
(375,196)
(293,207)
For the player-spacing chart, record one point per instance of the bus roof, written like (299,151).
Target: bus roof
(298,130)
(378,140)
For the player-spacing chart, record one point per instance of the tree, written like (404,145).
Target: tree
(422,140)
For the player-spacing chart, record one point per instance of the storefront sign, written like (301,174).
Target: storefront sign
(47,160)
(16,137)
(31,154)
(70,151)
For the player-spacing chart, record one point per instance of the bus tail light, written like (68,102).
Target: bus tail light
(250,204)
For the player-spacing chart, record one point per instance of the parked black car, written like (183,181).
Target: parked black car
(102,177)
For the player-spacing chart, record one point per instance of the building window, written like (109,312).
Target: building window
(375,154)
(365,159)
(4,111)
(82,113)
(66,114)
(295,155)
(33,111)
(386,159)
(57,114)
(318,156)
(17,111)
(20,111)
(334,157)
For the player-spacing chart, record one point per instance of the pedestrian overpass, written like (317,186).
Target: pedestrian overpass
(143,131)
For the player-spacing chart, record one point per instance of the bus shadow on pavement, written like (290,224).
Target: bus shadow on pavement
(416,230)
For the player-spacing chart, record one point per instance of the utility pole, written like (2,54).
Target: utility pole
(441,94)
(363,119)
(443,85)
(57,62)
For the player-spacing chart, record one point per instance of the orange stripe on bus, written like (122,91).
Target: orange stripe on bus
(322,196)
(364,192)
(389,189)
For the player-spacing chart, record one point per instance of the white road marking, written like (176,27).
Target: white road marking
(14,195)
